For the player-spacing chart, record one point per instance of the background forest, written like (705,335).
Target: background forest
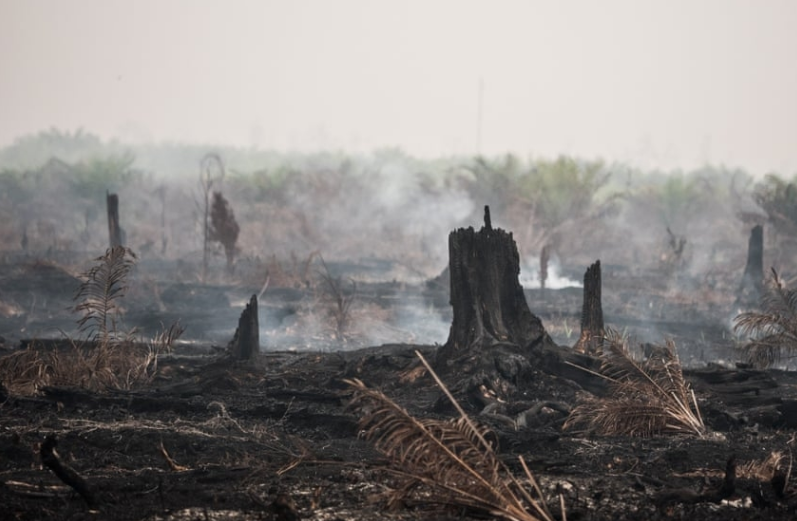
(387,205)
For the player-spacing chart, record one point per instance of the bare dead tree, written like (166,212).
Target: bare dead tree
(211,169)
(223,228)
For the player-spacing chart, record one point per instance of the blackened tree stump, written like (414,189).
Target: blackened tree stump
(592,329)
(752,286)
(246,341)
(487,298)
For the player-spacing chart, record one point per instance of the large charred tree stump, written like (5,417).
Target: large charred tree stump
(752,286)
(114,230)
(487,298)
(246,342)
(592,329)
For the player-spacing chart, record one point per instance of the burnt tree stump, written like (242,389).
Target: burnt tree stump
(752,285)
(114,229)
(487,298)
(246,341)
(592,329)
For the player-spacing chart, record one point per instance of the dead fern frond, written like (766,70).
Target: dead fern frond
(452,461)
(104,285)
(646,398)
(773,329)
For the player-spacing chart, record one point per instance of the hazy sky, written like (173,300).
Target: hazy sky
(673,83)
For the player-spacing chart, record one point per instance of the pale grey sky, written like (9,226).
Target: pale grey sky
(672,83)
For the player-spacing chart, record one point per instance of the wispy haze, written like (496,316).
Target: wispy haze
(661,84)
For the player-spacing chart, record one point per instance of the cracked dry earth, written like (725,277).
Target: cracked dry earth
(212,440)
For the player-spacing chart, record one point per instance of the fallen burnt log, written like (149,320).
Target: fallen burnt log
(739,398)
(725,490)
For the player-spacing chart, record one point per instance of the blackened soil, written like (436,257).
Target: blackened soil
(210,439)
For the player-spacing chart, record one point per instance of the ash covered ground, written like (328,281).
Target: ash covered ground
(205,438)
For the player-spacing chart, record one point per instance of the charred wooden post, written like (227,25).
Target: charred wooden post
(487,298)
(246,341)
(114,230)
(592,330)
(752,286)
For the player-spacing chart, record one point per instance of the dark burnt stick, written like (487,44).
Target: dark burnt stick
(64,472)
(728,487)
(729,483)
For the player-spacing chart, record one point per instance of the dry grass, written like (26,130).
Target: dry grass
(87,365)
(446,462)
(108,359)
(646,398)
(760,470)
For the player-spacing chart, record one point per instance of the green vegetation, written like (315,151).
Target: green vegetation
(386,204)
(778,198)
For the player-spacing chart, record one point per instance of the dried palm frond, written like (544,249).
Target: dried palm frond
(98,295)
(774,328)
(646,398)
(452,461)
(763,469)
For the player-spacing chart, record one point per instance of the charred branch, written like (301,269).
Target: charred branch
(64,472)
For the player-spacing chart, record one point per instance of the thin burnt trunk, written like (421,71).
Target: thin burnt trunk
(114,229)
(545,256)
(487,299)
(592,329)
(752,286)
